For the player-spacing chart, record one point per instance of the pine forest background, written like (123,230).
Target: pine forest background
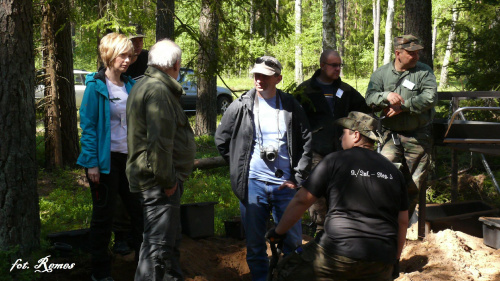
(251,28)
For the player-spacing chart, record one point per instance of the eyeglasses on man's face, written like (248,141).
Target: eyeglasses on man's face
(335,65)
(269,63)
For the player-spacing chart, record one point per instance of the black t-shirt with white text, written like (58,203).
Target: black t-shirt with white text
(365,193)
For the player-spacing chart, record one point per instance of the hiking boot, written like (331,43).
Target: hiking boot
(121,247)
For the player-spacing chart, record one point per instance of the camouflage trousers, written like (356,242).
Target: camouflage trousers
(412,156)
(318,209)
(312,262)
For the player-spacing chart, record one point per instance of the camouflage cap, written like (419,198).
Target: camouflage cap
(407,42)
(361,122)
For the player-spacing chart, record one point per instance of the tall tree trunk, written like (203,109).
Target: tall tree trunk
(208,56)
(299,76)
(277,10)
(443,81)
(252,17)
(103,6)
(66,83)
(19,209)
(376,32)
(52,120)
(434,37)
(342,16)
(418,21)
(165,10)
(329,40)
(388,32)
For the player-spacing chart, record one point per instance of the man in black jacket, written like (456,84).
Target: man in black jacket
(325,98)
(139,62)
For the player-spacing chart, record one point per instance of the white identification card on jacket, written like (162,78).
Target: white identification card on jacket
(339,93)
(408,84)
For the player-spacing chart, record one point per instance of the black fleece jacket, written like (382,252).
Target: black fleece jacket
(321,119)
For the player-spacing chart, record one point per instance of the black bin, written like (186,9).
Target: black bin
(197,219)
(234,228)
(77,239)
(460,216)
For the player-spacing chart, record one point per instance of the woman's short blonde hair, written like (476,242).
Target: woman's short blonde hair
(112,45)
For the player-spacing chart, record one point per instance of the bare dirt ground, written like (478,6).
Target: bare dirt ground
(442,256)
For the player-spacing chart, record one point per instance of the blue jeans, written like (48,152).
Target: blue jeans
(264,197)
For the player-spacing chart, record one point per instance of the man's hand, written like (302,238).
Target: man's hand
(287,184)
(274,237)
(393,110)
(171,191)
(394,98)
(94,174)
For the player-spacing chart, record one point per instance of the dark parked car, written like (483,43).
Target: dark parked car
(188,101)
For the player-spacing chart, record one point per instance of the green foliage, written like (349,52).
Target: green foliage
(7,259)
(68,206)
(205,145)
(358,83)
(475,184)
(477,45)
(358,40)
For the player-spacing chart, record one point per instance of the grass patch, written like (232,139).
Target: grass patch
(360,84)
(65,204)
(237,84)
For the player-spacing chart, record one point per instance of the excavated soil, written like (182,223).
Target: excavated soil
(442,256)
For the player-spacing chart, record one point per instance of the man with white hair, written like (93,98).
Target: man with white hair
(161,153)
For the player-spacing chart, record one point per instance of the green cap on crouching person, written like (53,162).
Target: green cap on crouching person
(361,122)
(407,42)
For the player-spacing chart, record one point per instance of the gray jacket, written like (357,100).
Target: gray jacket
(234,139)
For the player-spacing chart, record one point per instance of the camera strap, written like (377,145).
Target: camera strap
(260,138)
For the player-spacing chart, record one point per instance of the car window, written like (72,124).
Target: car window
(188,79)
(79,79)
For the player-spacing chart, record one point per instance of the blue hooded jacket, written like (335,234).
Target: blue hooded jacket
(95,122)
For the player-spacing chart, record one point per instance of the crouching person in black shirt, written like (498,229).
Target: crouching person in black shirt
(365,226)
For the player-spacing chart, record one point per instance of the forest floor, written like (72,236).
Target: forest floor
(442,256)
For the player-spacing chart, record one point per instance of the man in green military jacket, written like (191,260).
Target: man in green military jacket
(406,91)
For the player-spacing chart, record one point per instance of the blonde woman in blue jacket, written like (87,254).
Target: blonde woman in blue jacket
(104,149)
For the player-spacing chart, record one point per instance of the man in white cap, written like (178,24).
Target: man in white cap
(265,137)
(367,218)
